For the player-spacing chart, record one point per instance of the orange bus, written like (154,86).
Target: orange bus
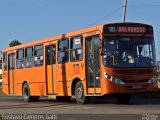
(108,59)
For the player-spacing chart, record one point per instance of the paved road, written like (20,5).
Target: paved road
(137,106)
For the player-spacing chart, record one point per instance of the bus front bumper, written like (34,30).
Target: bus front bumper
(112,88)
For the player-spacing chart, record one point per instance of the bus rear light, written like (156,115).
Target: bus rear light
(113,79)
(152,80)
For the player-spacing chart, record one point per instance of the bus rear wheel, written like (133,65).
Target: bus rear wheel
(26,94)
(123,98)
(80,94)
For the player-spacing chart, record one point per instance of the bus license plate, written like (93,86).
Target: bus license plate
(137,87)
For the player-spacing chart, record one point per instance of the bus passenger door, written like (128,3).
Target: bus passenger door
(50,65)
(11,73)
(93,65)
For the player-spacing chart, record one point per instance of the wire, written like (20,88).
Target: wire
(143,5)
(114,11)
(106,16)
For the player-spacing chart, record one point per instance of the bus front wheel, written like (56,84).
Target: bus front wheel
(26,94)
(80,94)
(123,98)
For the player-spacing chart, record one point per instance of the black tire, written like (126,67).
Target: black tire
(124,98)
(35,98)
(80,94)
(26,94)
(63,98)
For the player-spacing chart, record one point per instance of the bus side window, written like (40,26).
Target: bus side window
(63,51)
(38,55)
(20,58)
(29,61)
(76,49)
(5,61)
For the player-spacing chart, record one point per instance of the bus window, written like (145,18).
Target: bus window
(11,61)
(63,52)
(20,58)
(51,54)
(5,61)
(129,52)
(29,57)
(76,49)
(38,55)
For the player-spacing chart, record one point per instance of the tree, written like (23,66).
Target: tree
(14,43)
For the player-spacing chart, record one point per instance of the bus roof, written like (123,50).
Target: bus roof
(66,35)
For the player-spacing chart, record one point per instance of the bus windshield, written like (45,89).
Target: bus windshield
(128,52)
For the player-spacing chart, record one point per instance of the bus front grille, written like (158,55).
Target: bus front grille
(133,72)
(135,81)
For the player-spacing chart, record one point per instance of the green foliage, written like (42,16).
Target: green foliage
(0,76)
(14,43)
(159,76)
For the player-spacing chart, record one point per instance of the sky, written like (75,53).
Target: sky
(29,20)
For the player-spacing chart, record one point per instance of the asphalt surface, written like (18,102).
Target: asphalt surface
(97,108)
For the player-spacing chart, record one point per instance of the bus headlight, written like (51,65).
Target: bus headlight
(113,79)
(152,80)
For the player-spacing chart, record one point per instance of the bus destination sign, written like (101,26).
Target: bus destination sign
(127,28)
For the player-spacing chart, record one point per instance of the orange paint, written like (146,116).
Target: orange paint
(58,78)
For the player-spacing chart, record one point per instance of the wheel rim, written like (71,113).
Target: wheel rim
(79,93)
(26,92)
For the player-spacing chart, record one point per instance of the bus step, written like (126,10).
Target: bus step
(52,96)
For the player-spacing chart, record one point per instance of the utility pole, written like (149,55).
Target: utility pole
(124,10)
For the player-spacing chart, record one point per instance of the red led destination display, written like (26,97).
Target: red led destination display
(132,29)
(128,29)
